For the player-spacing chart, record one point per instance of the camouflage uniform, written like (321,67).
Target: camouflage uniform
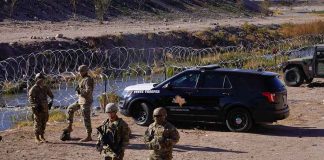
(119,133)
(37,97)
(160,139)
(85,99)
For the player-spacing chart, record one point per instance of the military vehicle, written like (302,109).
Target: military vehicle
(305,69)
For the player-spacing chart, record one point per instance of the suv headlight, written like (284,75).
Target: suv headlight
(126,93)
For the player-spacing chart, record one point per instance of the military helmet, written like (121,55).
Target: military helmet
(83,68)
(160,112)
(111,107)
(39,76)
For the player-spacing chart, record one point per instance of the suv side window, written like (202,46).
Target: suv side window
(188,80)
(320,63)
(213,80)
(320,54)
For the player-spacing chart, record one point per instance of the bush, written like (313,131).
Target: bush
(101,7)
(12,87)
(109,97)
(249,28)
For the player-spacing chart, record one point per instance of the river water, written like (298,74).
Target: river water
(15,105)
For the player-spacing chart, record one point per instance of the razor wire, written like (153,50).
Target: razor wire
(114,69)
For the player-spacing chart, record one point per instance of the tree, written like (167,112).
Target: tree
(265,7)
(101,7)
(12,6)
(74,3)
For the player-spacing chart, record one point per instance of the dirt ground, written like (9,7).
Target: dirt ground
(299,137)
(22,31)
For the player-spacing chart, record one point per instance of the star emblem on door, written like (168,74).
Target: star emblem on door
(178,99)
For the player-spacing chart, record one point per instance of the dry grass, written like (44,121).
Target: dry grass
(277,12)
(96,72)
(11,87)
(21,124)
(291,30)
(109,97)
(57,116)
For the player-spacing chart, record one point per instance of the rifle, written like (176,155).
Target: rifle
(108,139)
(77,89)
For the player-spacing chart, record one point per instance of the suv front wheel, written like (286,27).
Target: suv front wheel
(142,113)
(293,77)
(238,120)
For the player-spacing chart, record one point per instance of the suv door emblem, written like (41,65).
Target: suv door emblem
(178,99)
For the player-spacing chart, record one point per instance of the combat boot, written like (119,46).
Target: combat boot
(42,138)
(68,128)
(37,140)
(88,138)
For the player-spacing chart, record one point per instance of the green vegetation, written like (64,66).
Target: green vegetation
(57,116)
(318,12)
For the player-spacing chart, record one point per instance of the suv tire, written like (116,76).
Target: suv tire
(142,113)
(293,77)
(238,120)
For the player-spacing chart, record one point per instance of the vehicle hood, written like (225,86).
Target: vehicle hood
(140,87)
(301,59)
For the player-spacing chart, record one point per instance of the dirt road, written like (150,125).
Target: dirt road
(23,31)
(300,137)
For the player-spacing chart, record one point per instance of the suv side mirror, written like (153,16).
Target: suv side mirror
(169,86)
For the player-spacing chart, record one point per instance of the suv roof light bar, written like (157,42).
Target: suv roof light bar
(209,67)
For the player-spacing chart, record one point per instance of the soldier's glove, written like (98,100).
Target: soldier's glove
(50,104)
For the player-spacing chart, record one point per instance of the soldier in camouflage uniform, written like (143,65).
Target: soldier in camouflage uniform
(161,136)
(113,135)
(37,97)
(84,91)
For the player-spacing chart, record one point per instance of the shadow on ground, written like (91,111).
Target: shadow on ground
(185,148)
(315,84)
(200,126)
(263,129)
(91,144)
(287,131)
